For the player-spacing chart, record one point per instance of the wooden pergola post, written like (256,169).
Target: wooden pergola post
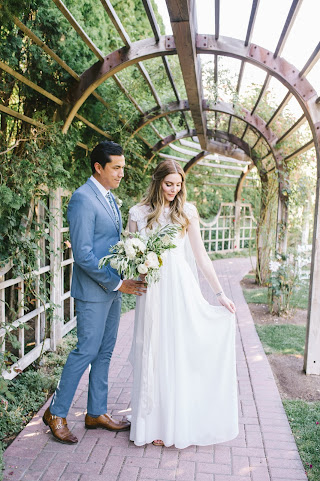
(282,224)
(237,200)
(312,349)
(237,215)
(56,275)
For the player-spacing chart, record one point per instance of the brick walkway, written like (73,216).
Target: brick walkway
(264,450)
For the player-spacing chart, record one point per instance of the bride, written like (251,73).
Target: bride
(183,350)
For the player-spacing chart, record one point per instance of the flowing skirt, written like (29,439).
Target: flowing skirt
(184,367)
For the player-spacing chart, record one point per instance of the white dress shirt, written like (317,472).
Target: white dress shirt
(104,192)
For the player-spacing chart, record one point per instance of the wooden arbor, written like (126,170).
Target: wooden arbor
(188,44)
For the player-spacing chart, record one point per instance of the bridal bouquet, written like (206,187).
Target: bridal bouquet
(136,255)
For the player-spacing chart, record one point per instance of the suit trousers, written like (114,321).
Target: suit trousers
(97,328)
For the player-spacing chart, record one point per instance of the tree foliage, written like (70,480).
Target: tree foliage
(36,156)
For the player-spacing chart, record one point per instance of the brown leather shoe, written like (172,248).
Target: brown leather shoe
(59,428)
(106,422)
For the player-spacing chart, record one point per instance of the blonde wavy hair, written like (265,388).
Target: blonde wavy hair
(156,200)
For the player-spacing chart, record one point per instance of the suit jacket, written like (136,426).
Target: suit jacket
(93,230)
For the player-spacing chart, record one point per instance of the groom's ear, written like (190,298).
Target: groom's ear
(97,167)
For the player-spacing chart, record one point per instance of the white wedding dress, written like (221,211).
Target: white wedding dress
(183,355)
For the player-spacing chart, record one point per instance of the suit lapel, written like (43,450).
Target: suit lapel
(103,202)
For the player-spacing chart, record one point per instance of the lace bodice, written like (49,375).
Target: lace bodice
(139,214)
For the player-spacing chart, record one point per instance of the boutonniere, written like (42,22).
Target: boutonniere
(118,201)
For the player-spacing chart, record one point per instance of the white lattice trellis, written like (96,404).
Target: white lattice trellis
(29,314)
(232,229)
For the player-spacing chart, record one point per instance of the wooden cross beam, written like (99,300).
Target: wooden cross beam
(184,26)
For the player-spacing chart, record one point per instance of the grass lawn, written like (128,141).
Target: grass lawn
(258,295)
(300,298)
(304,419)
(282,338)
(228,255)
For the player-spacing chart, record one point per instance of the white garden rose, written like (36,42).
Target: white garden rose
(166,240)
(274,266)
(152,260)
(139,244)
(130,251)
(128,243)
(142,269)
(114,263)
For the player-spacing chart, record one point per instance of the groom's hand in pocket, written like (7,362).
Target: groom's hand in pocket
(130,286)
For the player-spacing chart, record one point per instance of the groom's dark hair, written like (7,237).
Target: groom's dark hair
(101,153)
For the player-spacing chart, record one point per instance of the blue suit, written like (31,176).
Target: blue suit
(93,230)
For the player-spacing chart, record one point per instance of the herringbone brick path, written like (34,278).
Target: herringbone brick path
(264,450)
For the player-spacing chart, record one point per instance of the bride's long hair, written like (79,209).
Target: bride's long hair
(155,198)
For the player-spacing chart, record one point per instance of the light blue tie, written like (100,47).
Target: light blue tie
(113,207)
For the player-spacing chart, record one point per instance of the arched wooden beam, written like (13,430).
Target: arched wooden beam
(214,147)
(233,139)
(221,148)
(113,63)
(277,67)
(226,149)
(256,122)
(253,120)
(287,74)
(195,160)
(159,112)
(241,181)
(168,140)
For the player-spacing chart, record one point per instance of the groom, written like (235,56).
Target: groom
(95,224)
